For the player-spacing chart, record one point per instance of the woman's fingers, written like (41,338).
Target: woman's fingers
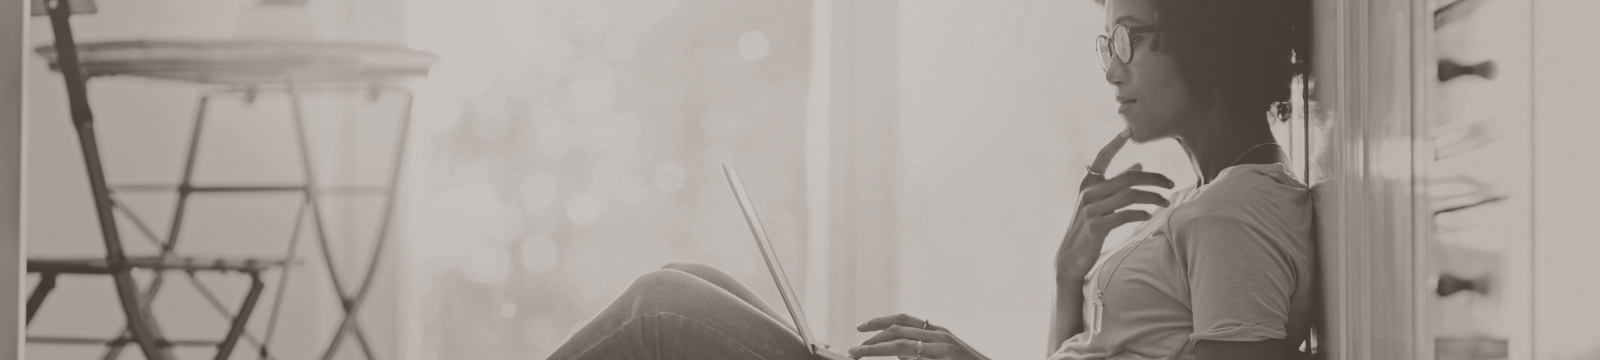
(883,322)
(1104,224)
(1094,188)
(904,348)
(1102,160)
(1123,199)
(1134,176)
(1108,152)
(897,332)
(901,348)
(907,336)
(1139,177)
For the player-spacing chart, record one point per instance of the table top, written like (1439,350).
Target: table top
(77,6)
(248,62)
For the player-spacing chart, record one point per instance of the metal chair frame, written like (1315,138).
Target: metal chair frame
(141,328)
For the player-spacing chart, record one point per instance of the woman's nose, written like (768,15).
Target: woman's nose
(1116,73)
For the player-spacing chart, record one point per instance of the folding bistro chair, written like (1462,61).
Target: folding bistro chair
(241,68)
(141,327)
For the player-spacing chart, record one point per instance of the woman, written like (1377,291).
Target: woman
(1221,271)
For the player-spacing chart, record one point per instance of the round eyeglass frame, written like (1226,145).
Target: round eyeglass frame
(1120,44)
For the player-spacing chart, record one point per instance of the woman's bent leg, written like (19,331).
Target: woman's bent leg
(669,314)
(721,279)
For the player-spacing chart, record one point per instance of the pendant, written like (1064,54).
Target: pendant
(1099,313)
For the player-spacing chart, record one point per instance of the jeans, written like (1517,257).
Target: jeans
(685,311)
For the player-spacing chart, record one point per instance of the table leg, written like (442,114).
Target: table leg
(353,305)
(302,138)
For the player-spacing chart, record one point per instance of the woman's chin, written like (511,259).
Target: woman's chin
(1139,138)
(1140,134)
(1139,131)
(1137,134)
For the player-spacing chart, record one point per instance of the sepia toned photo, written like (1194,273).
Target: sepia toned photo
(799,179)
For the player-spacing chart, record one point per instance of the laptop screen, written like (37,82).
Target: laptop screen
(767,252)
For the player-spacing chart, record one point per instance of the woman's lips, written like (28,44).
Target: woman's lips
(1126,104)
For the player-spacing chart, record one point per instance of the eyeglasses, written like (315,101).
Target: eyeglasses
(1119,44)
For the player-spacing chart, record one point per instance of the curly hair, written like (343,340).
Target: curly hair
(1245,53)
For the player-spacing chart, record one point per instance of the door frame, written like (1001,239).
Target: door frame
(1361,161)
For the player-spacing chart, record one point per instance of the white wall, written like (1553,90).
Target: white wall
(1563,179)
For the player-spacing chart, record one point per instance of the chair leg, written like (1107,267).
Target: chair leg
(143,326)
(114,351)
(239,321)
(46,283)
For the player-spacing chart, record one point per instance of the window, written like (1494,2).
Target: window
(565,148)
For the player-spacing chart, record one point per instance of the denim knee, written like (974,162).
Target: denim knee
(682,265)
(668,278)
(697,269)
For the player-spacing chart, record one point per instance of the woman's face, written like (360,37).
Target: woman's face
(1154,99)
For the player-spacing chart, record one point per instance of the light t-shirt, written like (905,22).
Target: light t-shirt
(1227,261)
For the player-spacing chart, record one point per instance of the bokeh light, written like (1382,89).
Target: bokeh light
(577,148)
(753,45)
(584,208)
(508,310)
(538,191)
(485,264)
(670,176)
(716,154)
(539,254)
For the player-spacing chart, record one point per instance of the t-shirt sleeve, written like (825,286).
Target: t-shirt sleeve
(1240,282)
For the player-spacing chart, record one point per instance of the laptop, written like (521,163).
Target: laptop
(776,269)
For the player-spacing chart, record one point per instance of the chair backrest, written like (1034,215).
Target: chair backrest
(142,331)
(60,12)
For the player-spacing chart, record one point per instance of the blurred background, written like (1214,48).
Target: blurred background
(561,148)
(905,156)
(567,147)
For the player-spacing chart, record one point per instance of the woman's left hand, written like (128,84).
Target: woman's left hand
(909,337)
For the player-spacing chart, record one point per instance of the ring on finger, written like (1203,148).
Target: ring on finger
(924,324)
(1094,172)
(919,348)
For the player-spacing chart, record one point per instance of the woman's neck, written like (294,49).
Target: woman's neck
(1224,143)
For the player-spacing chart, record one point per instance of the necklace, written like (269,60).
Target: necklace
(1120,255)
(1236,160)
(1099,296)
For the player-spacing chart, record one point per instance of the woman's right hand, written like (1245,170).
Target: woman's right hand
(1100,203)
